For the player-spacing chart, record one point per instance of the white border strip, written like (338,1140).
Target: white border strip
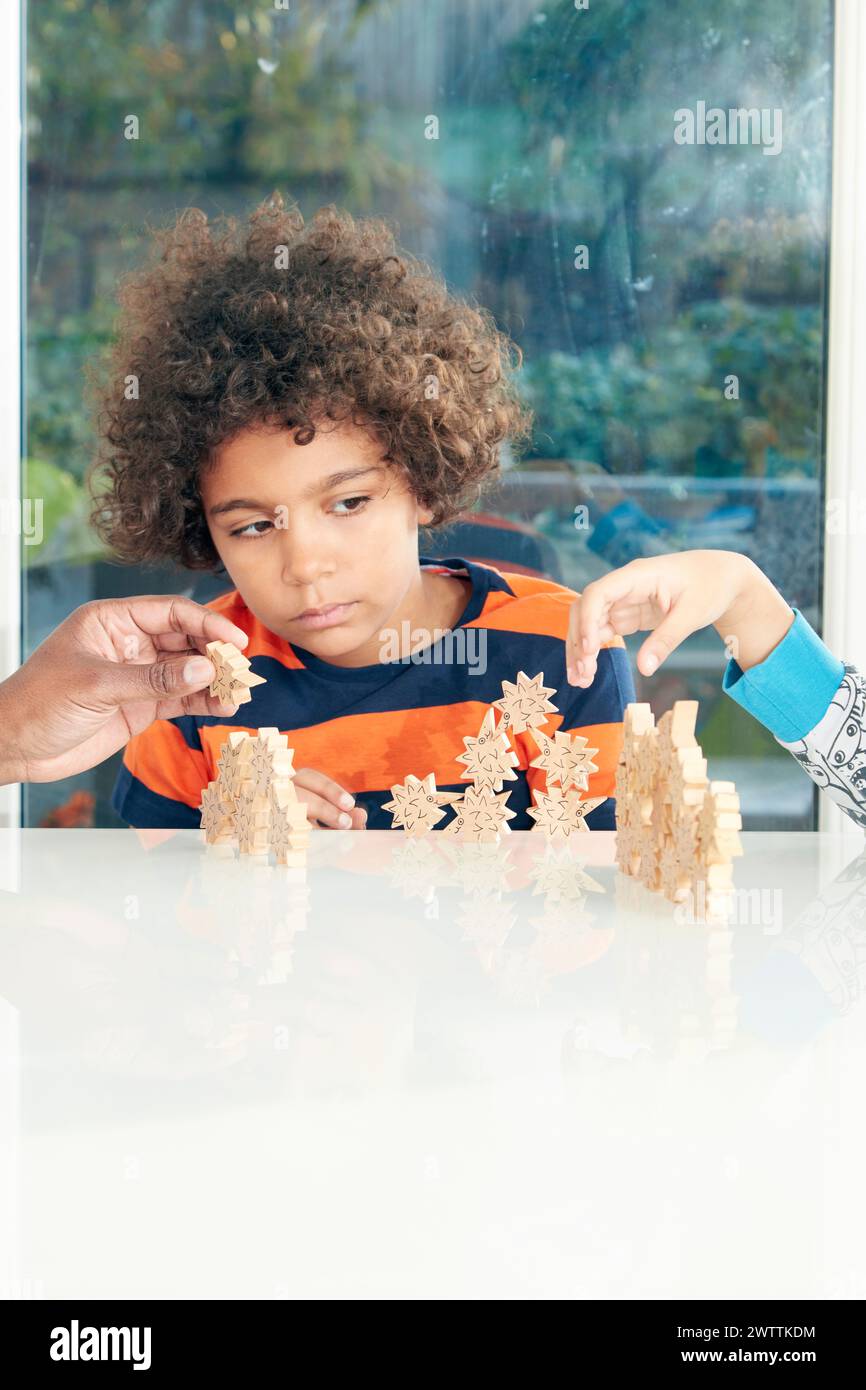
(10,362)
(844,607)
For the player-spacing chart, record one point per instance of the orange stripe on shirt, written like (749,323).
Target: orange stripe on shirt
(360,751)
(166,764)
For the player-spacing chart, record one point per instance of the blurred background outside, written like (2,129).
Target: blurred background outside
(706,263)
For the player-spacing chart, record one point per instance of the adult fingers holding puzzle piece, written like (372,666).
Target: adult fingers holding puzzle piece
(106,673)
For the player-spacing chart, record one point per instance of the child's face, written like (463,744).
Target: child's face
(320,539)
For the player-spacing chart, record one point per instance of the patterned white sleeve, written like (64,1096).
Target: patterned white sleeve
(834,752)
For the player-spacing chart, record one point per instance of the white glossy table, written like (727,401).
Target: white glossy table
(425,1079)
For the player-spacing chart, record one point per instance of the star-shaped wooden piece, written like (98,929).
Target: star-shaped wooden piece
(231,769)
(524,704)
(635,789)
(252,819)
(560,814)
(288,826)
(489,759)
(233,677)
(565,758)
(217,816)
(718,844)
(416,806)
(268,760)
(481,815)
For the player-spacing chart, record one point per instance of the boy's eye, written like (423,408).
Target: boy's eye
(254,528)
(348,505)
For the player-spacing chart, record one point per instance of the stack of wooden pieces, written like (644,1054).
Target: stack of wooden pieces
(677,832)
(253,802)
(489,759)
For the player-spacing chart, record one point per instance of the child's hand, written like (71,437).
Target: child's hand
(673,596)
(328,804)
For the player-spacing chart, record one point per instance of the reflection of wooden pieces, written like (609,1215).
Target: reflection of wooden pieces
(560,814)
(565,758)
(417,869)
(489,759)
(481,867)
(486,922)
(524,704)
(561,877)
(233,676)
(416,804)
(480,814)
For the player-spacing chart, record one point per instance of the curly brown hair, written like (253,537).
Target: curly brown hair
(278,322)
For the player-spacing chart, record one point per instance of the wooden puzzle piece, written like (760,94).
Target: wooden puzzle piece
(288,826)
(416,804)
(267,760)
(677,727)
(233,676)
(481,814)
(676,831)
(524,703)
(719,824)
(676,803)
(635,780)
(560,814)
(489,759)
(231,763)
(217,816)
(565,758)
(718,844)
(252,821)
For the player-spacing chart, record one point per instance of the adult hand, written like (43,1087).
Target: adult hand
(105,674)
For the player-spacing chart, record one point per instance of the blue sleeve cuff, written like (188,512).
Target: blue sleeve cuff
(790,691)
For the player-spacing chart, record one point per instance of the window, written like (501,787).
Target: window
(639,193)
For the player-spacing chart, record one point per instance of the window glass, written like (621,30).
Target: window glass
(639,193)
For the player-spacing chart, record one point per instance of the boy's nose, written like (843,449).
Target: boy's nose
(304,563)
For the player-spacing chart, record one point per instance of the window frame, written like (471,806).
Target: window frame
(12,166)
(843,617)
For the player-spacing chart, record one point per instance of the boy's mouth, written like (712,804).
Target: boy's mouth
(330,616)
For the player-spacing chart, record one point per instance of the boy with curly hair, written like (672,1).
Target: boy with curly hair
(292,401)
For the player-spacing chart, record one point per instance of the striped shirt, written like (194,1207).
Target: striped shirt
(369,727)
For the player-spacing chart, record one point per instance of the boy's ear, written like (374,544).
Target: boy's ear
(425,515)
